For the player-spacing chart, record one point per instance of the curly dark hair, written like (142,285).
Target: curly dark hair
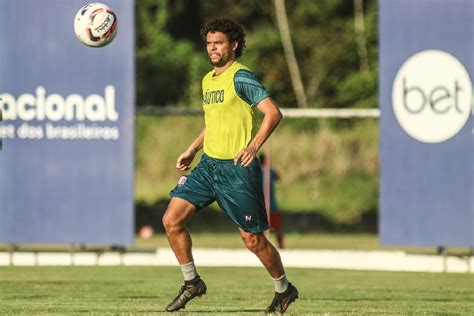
(234,32)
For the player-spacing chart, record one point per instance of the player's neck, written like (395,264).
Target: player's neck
(221,69)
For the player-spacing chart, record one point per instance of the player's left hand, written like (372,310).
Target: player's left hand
(246,156)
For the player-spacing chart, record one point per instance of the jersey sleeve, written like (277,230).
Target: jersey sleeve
(249,88)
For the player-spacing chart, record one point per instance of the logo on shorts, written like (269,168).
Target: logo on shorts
(182,181)
(248,218)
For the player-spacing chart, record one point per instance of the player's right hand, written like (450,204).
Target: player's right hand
(184,160)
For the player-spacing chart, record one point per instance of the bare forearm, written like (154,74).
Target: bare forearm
(197,144)
(272,117)
(186,158)
(269,123)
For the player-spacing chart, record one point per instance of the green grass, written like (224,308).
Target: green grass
(147,290)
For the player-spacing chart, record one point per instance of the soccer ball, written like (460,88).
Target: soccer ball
(95,24)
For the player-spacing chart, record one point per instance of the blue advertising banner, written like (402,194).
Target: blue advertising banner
(66,166)
(426,143)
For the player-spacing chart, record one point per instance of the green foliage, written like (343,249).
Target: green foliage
(159,141)
(162,61)
(302,125)
(171,57)
(356,90)
(261,58)
(197,69)
(331,171)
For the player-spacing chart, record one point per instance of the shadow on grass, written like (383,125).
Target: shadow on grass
(215,220)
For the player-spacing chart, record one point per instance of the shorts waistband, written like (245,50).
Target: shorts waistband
(206,157)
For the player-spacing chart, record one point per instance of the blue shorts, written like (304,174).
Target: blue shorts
(237,190)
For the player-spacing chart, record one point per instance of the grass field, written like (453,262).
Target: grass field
(231,291)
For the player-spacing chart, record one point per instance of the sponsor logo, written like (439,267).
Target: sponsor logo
(431,96)
(54,107)
(104,25)
(248,218)
(212,97)
(182,181)
(36,116)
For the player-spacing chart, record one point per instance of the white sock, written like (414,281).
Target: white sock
(189,271)
(281,284)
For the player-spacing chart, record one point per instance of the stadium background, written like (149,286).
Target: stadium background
(329,167)
(329,189)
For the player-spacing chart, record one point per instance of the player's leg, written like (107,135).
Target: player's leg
(179,211)
(265,251)
(191,194)
(239,193)
(285,292)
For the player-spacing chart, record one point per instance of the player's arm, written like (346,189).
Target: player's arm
(271,118)
(186,158)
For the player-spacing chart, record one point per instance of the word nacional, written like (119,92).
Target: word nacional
(55,107)
(39,115)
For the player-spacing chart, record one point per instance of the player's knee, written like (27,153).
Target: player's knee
(254,242)
(170,222)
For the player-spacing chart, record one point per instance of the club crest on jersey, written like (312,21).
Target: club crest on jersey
(182,181)
(213,97)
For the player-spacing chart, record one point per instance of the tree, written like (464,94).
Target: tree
(327,36)
(162,61)
(290,57)
(359,26)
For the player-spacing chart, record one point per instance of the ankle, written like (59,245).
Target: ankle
(193,281)
(189,271)
(281,284)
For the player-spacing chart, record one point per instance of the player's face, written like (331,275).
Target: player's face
(219,50)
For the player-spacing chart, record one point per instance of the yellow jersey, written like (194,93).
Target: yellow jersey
(229,102)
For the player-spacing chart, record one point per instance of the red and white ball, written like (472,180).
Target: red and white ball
(95,24)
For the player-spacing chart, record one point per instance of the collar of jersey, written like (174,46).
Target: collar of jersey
(220,75)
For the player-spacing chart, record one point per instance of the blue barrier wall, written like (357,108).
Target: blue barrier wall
(66,167)
(426,140)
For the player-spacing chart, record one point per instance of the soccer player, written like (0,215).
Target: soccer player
(228,172)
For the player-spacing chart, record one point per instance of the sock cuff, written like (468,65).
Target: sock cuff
(280,278)
(191,263)
(189,271)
